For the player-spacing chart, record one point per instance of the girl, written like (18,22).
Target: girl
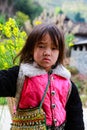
(43,54)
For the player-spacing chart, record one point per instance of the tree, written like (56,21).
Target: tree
(29,7)
(78,18)
(7,7)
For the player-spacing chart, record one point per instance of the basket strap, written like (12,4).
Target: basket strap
(46,89)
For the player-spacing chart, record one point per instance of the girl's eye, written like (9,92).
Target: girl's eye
(54,48)
(41,46)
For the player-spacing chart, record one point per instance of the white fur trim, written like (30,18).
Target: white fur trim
(31,70)
(62,71)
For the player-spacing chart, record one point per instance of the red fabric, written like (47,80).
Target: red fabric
(33,91)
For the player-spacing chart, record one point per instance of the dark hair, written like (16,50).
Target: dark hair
(26,54)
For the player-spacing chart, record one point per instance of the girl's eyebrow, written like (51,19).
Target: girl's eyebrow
(41,42)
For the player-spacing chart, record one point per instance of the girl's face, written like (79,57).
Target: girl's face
(46,53)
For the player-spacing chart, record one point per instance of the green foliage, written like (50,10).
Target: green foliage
(29,7)
(3,101)
(2,19)
(20,18)
(69,42)
(69,38)
(58,10)
(79,18)
(73,70)
(36,10)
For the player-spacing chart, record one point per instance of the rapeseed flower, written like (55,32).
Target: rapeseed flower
(2,49)
(38,22)
(71,44)
(15,31)
(1,27)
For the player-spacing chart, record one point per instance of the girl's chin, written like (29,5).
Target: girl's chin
(47,68)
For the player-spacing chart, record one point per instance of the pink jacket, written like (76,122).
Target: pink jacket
(35,80)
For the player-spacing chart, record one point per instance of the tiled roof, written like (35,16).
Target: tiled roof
(81,42)
(82,28)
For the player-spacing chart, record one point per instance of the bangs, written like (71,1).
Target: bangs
(41,30)
(54,39)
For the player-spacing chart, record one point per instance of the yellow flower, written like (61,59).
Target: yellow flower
(2,49)
(5,65)
(11,22)
(38,22)
(23,34)
(10,41)
(71,44)
(8,34)
(7,31)
(15,31)
(1,26)
(21,42)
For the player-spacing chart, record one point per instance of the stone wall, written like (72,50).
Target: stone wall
(79,58)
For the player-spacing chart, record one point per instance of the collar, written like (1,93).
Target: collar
(33,69)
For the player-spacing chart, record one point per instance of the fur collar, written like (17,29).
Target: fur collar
(31,70)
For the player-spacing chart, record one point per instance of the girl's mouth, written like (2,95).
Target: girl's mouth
(46,59)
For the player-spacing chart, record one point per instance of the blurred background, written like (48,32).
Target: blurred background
(17,19)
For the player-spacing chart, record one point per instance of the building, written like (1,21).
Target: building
(78,57)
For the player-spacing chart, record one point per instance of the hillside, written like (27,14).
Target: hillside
(69,7)
(54,3)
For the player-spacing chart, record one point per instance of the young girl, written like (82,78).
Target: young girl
(43,55)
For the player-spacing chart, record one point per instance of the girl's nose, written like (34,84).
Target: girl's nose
(47,52)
